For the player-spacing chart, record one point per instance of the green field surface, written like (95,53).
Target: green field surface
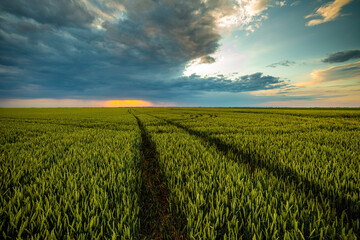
(179,173)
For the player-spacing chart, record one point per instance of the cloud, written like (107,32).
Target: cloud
(280,3)
(141,88)
(293,4)
(56,12)
(327,12)
(342,56)
(258,6)
(336,95)
(285,63)
(337,73)
(103,49)
(207,60)
(221,83)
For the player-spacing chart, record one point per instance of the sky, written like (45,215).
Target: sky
(206,53)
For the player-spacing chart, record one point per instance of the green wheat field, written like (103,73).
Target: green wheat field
(179,173)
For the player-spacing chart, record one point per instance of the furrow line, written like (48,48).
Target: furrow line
(340,203)
(156,220)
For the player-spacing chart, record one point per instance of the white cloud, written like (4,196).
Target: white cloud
(242,15)
(327,12)
(257,6)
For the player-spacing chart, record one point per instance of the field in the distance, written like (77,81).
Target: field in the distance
(180,173)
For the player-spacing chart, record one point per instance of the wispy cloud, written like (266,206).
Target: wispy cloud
(286,63)
(342,56)
(327,12)
(338,94)
(293,4)
(341,101)
(336,73)
(337,86)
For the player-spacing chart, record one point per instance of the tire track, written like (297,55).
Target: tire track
(156,220)
(341,203)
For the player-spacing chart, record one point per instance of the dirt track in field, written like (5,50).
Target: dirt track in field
(156,221)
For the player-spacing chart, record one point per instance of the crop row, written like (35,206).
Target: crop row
(319,154)
(69,182)
(220,198)
(229,173)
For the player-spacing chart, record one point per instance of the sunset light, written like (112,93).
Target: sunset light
(127,103)
(180,119)
(143,53)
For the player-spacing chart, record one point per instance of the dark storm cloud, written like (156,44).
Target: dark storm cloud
(220,83)
(342,56)
(286,63)
(174,31)
(109,49)
(56,12)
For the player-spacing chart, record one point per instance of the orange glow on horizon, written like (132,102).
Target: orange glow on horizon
(127,103)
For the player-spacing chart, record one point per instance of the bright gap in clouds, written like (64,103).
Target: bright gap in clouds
(128,103)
